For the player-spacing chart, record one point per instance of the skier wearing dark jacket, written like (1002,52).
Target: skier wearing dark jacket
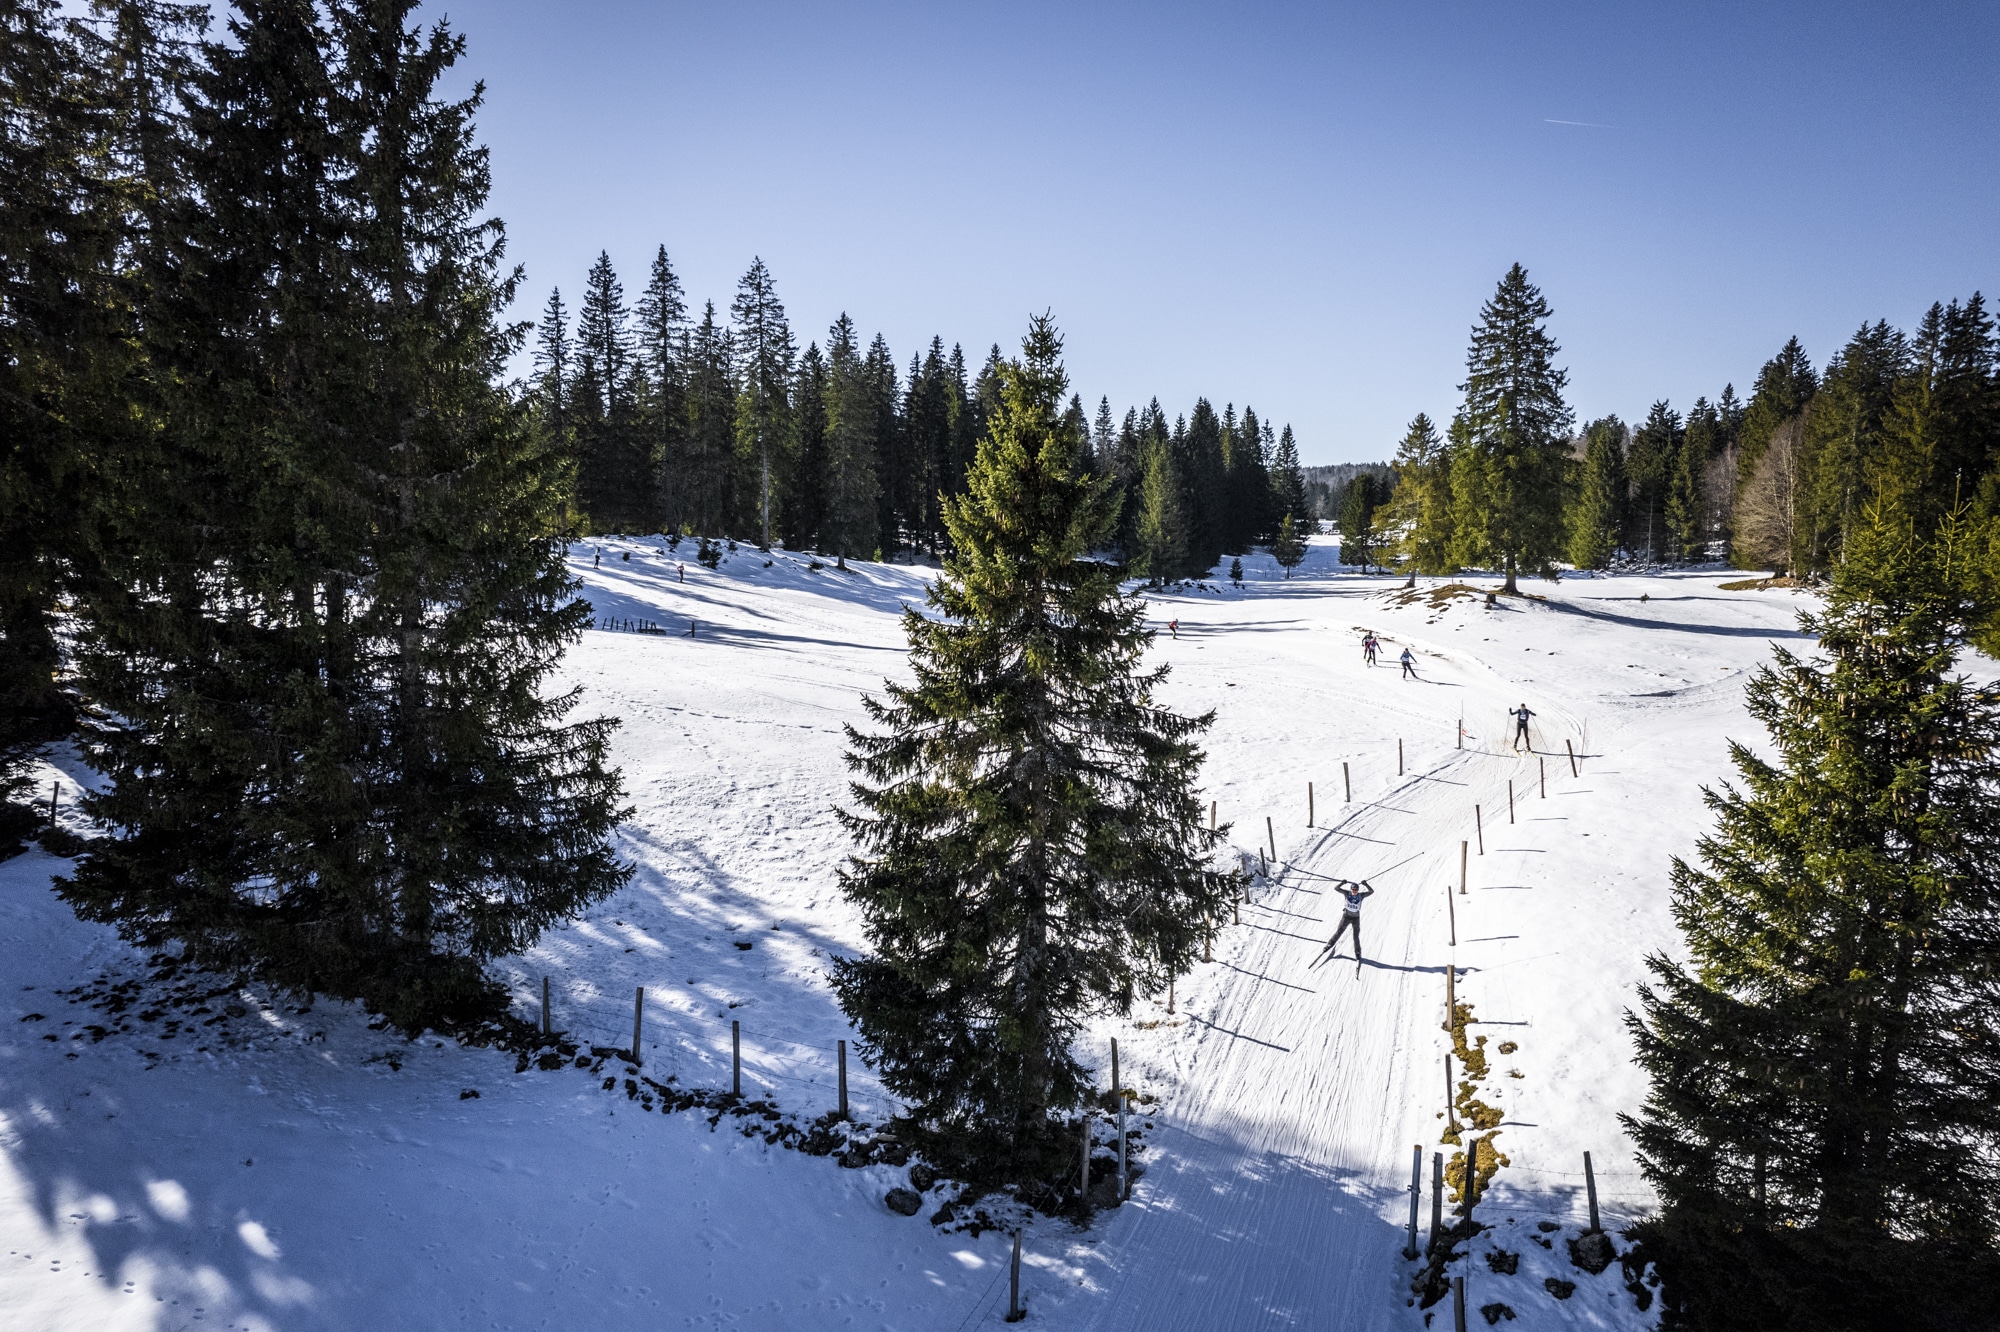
(1352,895)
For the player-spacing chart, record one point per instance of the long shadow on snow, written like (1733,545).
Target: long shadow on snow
(1640,622)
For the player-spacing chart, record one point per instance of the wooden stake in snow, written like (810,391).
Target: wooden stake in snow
(1236,906)
(1461,733)
(1270,833)
(55,797)
(1590,1187)
(1545,777)
(735,1057)
(1416,1192)
(1206,936)
(1461,869)
(1458,1304)
(1450,1105)
(1118,1089)
(1399,756)
(1466,1198)
(1083,1163)
(1211,816)
(1510,800)
(1346,783)
(843,1078)
(1015,1313)
(1309,804)
(1170,996)
(1451,913)
(1263,865)
(1437,1198)
(638,1016)
(1450,995)
(1479,829)
(1572,756)
(548,1026)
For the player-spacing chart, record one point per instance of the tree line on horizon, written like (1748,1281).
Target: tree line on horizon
(720,426)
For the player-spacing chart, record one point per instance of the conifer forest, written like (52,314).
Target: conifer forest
(552,798)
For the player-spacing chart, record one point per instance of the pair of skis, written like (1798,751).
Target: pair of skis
(1327,951)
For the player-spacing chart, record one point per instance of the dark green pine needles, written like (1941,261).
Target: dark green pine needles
(1822,1126)
(1033,852)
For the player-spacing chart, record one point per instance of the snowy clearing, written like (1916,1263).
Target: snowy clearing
(276,1169)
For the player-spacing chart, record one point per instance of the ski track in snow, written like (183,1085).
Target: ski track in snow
(291,1179)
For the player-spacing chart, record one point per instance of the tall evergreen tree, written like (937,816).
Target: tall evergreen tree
(1032,852)
(615,473)
(710,459)
(331,760)
(805,510)
(893,500)
(1596,517)
(1508,481)
(763,342)
(1420,508)
(851,484)
(662,328)
(1821,1127)
(1358,503)
(1650,463)
(1288,548)
(1942,437)
(1288,484)
(1846,436)
(1785,385)
(1159,549)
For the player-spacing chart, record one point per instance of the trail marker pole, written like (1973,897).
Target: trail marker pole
(1170,996)
(1083,1165)
(1399,756)
(1510,800)
(55,797)
(1479,829)
(1347,783)
(1263,865)
(1309,804)
(1236,906)
(1451,914)
(1590,1186)
(1461,733)
(1461,869)
(1458,1304)
(548,1026)
(1204,945)
(1211,816)
(1270,833)
(1545,777)
(1450,1109)
(1471,1177)
(1416,1193)
(843,1078)
(1118,1089)
(1572,756)
(1015,1313)
(735,1057)
(638,1017)
(1450,995)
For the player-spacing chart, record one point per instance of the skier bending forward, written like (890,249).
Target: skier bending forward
(1352,895)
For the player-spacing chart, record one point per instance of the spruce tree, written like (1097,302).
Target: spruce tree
(1288,548)
(805,509)
(1288,484)
(1032,854)
(1651,460)
(615,473)
(851,422)
(331,760)
(1420,507)
(1357,521)
(710,461)
(763,343)
(662,328)
(1508,479)
(1785,386)
(1846,441)
(1159,550)
(1596,516)
(1821,1127)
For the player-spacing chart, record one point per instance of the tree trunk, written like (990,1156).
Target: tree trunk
(1510,590)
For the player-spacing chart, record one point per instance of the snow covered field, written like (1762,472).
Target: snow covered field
(288,1170)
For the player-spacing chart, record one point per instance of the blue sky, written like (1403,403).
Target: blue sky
(1298,207)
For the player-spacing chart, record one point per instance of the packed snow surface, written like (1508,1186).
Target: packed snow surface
(259,1167)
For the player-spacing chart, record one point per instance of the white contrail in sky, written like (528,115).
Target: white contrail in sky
(1583,123)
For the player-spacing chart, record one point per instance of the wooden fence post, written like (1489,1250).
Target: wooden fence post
(1451,914)
(1461,733)
(1450,1101)
(1211,816)
(1572,756)
(1346,782)
(843,1079)
(1015,1313)
(1399,756)
(548,1026)
(1437,1198)
(1450,994)
(55,799)
(1545,777)
(1416,1193)
(1170,996)
(1466,1194)
(638,1017)
(1458,1304)
(1461,869)
(735,1057)
(1590,1186)
(1118,1089)
(1510,800)
(1206,936)
(1479,829)
(1309,804)
(1083,1167)
(1268,832)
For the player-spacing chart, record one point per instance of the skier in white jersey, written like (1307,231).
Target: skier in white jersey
(1351,895)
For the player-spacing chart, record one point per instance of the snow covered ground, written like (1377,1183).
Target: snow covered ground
(300,1170)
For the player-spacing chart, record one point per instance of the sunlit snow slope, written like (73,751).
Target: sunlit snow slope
(292,1176)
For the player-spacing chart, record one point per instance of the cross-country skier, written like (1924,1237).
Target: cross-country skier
(1369,646)
(682,570)
(1352,895)
(1521,715)
(1174,628)
(1409,665)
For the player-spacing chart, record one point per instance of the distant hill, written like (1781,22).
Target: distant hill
(1324,484)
